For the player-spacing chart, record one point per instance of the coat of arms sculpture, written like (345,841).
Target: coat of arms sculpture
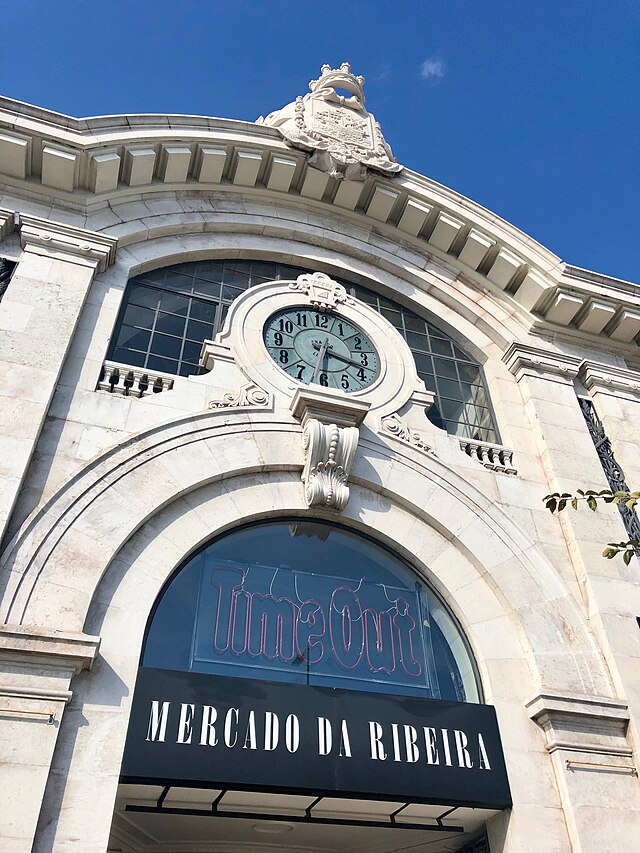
(344,139)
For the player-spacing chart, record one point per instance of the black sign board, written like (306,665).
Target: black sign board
(190,729)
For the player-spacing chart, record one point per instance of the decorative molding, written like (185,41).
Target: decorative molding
(130,381)
(587,724)
(343,138)
(329,440)
(395,426)
(325,293)
(248,395)
(524,360)
(495,457)
(605,378)
(54,239)
(57,649)
(7,222)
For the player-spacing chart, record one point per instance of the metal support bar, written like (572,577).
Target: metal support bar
(320,821)
(616,768)
(19,712)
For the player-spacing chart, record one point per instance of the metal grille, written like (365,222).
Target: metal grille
(168,313)
(6,271)
(613,471)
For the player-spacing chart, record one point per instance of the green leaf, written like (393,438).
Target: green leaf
(551,504)
(627,557)
(630,504)
(574,503)
(561,504)
(592,503)
(609,553)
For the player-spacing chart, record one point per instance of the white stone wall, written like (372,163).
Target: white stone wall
(115,491)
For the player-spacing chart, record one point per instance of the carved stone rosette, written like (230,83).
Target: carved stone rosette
(329,452)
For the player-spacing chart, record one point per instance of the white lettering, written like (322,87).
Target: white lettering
(271,731)
(228,723)
(375,740)
(410,742)
(208,729)
(483,761)
(325,736)
(292,733)
(250,740)
(464,759)
(345,745)
(447,748)
(158,720)
(430,745)
(185,726)
(395,737)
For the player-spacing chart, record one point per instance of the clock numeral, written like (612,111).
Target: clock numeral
(345,382)
(286,326)
(300,372)
(363,358)
(361,374)
(340,330)
(278,339)
(322,321)
(358,343)
(284,356)
(302,319)
(324,380)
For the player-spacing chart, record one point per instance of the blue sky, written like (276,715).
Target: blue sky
(529,107)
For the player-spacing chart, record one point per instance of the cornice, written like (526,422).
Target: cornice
(524,360)
(604,378)
(55,239)
(7,222)
(56,649)
(89,162)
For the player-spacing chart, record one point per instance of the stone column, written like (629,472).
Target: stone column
(35,672)
(587,735)
(38,316)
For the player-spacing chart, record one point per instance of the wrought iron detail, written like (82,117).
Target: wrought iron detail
(6,271)
(612,470)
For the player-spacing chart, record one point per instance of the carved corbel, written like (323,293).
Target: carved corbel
(329,440)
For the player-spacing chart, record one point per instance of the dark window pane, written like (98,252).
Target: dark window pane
(166,346)
(178,282)
(191,351)
(170,324)
(423,362)
(413,323)
(452,409)
(133,338)
(197,331)
(445,368)
(162,365)
(205,311)
(145,296)
(211,289)
(441,347)
(469,372)
(451,388)
(419,342)
(141,317)
(127,356)
(175,303)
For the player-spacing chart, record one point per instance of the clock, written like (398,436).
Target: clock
(322,348)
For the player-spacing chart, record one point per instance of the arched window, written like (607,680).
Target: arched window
(168,313)
(309,602)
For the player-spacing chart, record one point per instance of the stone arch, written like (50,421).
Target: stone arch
(68,545)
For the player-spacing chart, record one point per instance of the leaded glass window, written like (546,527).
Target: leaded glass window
(169,312)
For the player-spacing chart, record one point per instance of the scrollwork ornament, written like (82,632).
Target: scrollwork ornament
(325,293)
(248,395)
(329,452)
(396,426)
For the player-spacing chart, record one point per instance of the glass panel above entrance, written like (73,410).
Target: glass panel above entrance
(307,602)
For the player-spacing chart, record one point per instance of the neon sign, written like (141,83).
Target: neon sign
(292,622)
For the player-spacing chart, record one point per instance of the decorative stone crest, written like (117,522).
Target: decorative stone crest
(396,426)
(248,395)
(343,137)
(329,452)
(325,293)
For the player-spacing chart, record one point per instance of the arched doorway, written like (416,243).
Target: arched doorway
(302,688)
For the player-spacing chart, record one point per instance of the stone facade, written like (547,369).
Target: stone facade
(103,494)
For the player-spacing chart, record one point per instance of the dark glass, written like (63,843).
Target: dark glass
(313,603)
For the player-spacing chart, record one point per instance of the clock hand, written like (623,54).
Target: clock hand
(321,354)
(341,357)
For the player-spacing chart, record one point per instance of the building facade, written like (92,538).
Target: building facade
(277,416)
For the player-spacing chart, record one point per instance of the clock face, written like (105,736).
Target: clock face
(321,348)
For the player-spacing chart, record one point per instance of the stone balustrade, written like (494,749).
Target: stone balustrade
(495,457)
(132,381)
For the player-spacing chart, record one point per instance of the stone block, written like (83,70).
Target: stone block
(15,152)
(59,167)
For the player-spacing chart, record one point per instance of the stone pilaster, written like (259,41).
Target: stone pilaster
(586,737)
(38,316)
(35,673)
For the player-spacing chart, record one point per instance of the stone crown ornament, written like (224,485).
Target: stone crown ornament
(343,138)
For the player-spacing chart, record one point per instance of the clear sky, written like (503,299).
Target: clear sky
(529,107)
